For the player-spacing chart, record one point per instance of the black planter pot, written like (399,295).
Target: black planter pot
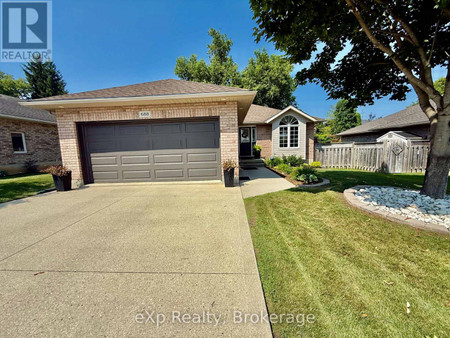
(256,154)
(229,177)
(63,183)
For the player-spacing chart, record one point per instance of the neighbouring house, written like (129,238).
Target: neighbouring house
(411,120)
(169,130)
(26,134)
(279,132)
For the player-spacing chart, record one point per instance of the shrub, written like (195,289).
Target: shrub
(303,170)
(292,160)
(273,162)
(284,168)
(229,164)
(57,170)
(3,173)
(316,164)
(30,166)
(307,178)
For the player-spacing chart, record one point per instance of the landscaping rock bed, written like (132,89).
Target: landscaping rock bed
(403,205)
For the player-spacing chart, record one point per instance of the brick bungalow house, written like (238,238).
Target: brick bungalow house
(169,130)
(411,120)
(26,133)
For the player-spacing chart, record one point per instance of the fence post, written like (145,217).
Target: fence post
(352,155)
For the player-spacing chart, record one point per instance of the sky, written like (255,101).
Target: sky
(105,43)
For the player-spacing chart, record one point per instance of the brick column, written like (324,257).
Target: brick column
(229,135)
(310,142)
(70,151)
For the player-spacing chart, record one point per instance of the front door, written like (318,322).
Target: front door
(247,140)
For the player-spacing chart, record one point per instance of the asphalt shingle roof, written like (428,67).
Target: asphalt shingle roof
(9,106)
(410,116)
(155,88)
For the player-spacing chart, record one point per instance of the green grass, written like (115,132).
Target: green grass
(344,179)
(14,187)
(352,271)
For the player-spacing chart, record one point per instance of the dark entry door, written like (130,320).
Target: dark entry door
(153,151)
(245,142)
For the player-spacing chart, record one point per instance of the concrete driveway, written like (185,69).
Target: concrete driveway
(99,260)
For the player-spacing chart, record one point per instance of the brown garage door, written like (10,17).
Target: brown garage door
(152,151)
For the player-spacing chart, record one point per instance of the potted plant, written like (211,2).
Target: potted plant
(62,177)
(257,151)
(228,172)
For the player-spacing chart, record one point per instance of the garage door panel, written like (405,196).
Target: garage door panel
(135,159)
(104,160)
(167,158)
(205,172)
(166,128)
(206,140)
(133,143)
(101,131)
(169,173)
(102,146)
(168,142)
(148,151)
(205,157)
(136,174)
(200,127)
(106,176)
(132,130)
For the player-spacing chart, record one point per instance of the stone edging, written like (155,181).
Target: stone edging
(349,195)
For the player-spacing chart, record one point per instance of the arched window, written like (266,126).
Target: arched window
(289,132)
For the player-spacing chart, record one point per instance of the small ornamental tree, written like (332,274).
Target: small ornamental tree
(394,46)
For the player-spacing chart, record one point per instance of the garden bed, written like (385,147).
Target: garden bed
(288,177)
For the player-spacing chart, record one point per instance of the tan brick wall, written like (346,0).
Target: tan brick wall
(67,118)
(310,142)
(41,140)
(264,139)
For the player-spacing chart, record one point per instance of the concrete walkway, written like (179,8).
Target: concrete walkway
(262,181)
(99,260)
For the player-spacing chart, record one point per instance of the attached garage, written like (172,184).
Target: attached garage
(151,151)
(167,130)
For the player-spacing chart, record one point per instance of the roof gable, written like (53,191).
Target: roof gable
(296,110)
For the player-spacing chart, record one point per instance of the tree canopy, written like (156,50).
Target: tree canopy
(270,75)
(221,70)
(361,50)
(13,87)
(44,79)
(341,117)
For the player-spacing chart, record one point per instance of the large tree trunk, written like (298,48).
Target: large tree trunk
(438,164)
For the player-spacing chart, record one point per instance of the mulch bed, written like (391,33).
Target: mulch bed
(294,182)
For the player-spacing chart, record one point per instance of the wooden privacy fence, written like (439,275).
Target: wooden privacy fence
(393,156)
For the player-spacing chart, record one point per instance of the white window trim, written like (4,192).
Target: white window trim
(288,126)
(23,141)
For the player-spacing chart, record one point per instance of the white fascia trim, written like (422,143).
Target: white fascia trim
(26,119)
(298,111)
(138,98)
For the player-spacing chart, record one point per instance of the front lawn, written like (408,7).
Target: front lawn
(14,187)
(354,272)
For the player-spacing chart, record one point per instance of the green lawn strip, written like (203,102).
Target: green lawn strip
(14,187)
(346,256)
(342,179)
